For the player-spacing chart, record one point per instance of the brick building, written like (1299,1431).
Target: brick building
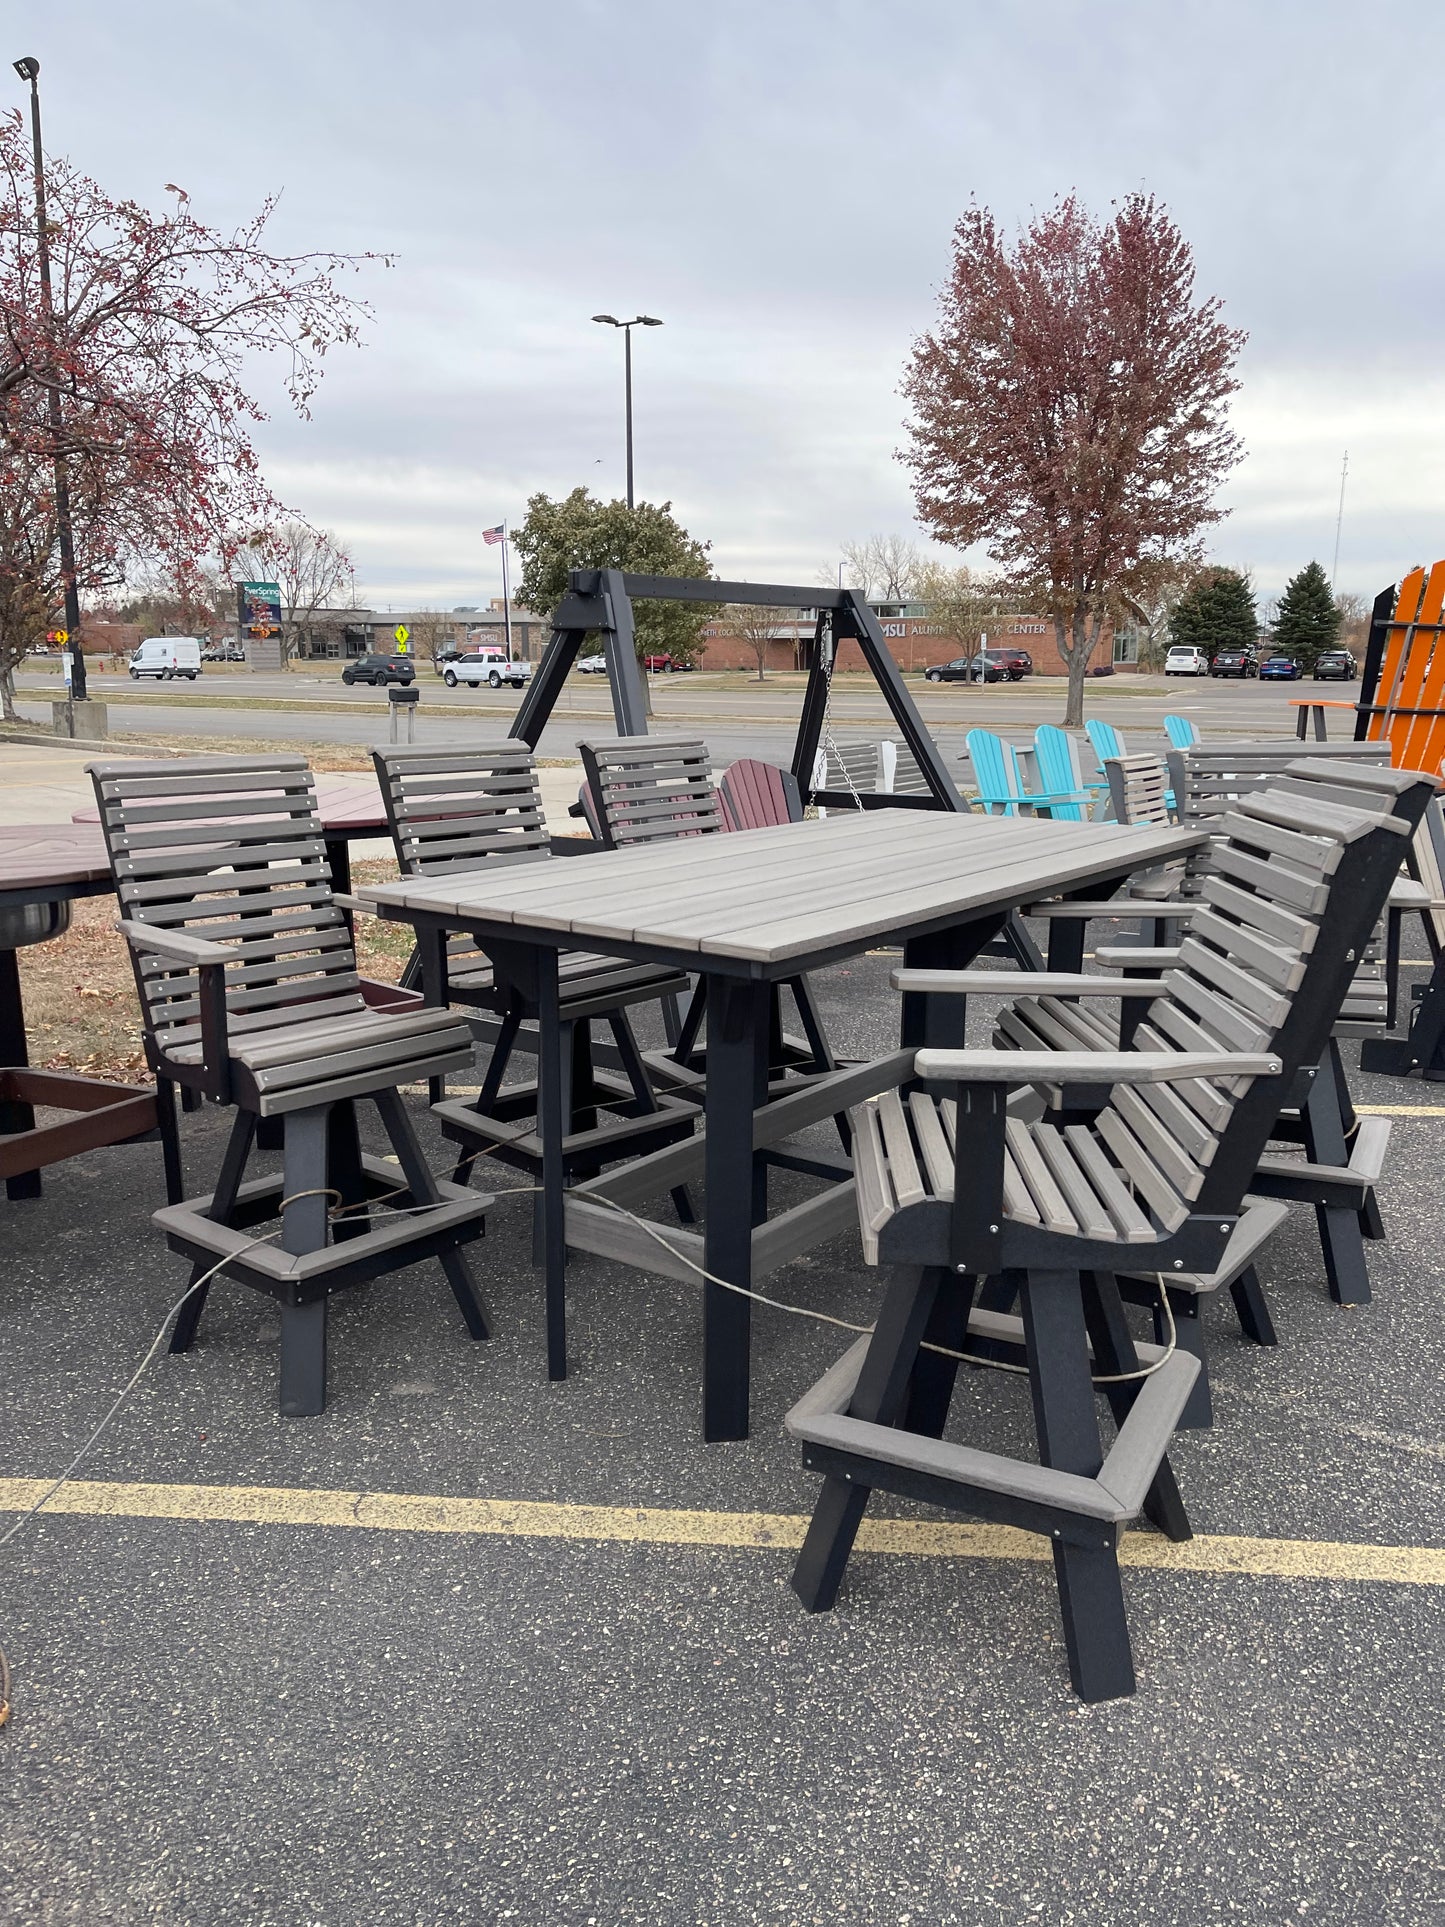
(916,643)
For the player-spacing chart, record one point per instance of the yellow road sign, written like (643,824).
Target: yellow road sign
(402,634)
(62,635)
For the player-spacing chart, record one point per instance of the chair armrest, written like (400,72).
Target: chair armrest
(1089,1067)
(1125,956)
(176,946)
(1028,983)
(209,961)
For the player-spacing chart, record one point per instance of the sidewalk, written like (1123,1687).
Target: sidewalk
(40,785)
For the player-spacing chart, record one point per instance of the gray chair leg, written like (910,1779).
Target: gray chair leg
(170,1140)
(303,1229)
(1113,1346)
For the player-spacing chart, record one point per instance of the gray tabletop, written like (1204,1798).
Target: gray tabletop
(764,897)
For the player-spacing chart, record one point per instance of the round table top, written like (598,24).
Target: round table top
(349,806)
(36,855)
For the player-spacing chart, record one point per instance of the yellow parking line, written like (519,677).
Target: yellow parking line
(1401,1110)
(653,1525)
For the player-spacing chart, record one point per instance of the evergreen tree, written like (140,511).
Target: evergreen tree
(1307,621)
(1216,612)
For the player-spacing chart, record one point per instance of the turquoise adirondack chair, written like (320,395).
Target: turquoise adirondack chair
(1057,756)
(1106,740)
(1182,733)
(1002,790)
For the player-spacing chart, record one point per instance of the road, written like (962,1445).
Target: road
(737,717)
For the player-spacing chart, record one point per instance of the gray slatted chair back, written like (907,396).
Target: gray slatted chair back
(649,789)
(1297,883)
(229,849)
(1207,778)
(455,807)
(1138,789)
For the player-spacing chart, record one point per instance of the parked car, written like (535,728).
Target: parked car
(489,665)
(989,665)
(1235,662)
(664,665)
(380,670)
(592,666)
(166,657)
(1185,661)
(1279,669)
(1336,665)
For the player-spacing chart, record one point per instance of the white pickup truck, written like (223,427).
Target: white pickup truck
(489,666)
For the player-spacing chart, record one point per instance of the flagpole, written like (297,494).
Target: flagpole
(506,592)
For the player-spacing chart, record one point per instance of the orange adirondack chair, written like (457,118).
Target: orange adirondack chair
(1403,698)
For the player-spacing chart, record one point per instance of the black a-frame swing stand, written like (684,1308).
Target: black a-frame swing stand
(599,603)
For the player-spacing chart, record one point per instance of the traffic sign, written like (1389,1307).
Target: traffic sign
(403,636)
(61,635)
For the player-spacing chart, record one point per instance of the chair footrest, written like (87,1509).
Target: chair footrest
(462,1124)
(1339,1184)
(1035,1497)
(299,1277)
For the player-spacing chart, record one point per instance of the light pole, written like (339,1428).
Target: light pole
(29,69)
(637,321)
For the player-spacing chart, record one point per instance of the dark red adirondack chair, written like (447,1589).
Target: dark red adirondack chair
(756,795)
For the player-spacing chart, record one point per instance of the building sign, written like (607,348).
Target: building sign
(258,608)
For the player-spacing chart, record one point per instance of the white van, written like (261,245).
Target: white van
(167,656)
(1182,661)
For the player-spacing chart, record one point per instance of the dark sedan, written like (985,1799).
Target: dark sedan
(1235,662)
(989,665)
(1279,669)
(1336,665)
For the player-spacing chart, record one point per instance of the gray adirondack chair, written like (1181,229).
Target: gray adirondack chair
(250,996)
(952,1190)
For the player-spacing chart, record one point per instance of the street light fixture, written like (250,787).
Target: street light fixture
(28,68)
(637,321)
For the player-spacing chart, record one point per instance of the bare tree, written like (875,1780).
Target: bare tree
(885,568)
(756,626)
(430,634)
(1148,599)
(1354,620)
(310,568)
(962,604)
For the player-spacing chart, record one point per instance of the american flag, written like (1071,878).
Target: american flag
(493,536)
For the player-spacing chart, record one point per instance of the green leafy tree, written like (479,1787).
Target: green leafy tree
(580,532)
(1308,619)
(1216,612)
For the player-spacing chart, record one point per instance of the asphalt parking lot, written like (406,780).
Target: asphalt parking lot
(472,1647)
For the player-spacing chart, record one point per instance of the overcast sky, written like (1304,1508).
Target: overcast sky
(778,182)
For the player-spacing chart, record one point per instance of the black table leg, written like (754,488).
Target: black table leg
(14,1055)
(940,1022)
(737,1085)
(551,1076)
(338,860)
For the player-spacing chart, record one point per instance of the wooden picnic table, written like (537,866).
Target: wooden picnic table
(745,911)
(44,867)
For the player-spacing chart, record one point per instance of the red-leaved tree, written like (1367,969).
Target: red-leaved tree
(152,341)
(1070,409)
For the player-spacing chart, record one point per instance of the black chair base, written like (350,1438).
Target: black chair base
(317,1255)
